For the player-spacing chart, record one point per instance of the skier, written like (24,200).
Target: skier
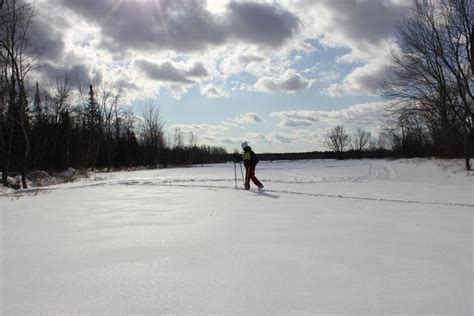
(250,162)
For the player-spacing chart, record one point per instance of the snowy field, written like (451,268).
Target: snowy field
(346,237)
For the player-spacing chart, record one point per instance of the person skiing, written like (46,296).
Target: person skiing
(250,162)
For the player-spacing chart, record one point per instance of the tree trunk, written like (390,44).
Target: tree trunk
(7,158)
(472,48)
(25,153)
(52,164)
(109,154)
(68,155)
(467,153)
(3,153)
(96,155)
(23,104)
(23,174)
(4,171)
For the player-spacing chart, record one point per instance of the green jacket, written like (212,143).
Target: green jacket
(249,157)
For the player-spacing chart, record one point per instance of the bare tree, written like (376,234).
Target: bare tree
(178,138)
(19,53)
(360,140)
(152,131)
(61,97)
(472,42)
(192,147)
(192,139)
(381,142)
(108,100)
(337,139)
(5,151)
(431,75)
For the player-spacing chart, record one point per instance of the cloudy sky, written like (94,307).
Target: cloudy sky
(278,74)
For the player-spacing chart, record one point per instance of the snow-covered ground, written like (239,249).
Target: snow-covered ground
(346,237)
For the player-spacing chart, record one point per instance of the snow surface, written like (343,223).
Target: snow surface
(346,237)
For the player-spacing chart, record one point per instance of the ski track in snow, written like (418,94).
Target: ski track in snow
(339,196)
(384,172)
(375,173)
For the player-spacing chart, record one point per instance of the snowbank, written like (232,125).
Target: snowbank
(40,178)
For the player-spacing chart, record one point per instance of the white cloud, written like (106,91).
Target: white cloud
(185,26)
(366,28)
(366,113)
(280,138)
(213,91)
(305,135)
(272,137)
(255,61)
(201,128)
(183,41)
(203,133)
(250,58)
(255,138)
(260,138)
(169,72)
(231,140)
(297,118)
(358,25)
(248,118)
(165,38)
(289,82)
(366,79)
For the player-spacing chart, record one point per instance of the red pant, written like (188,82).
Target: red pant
(250,175)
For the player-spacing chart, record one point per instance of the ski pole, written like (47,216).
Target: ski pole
(242,173)
(235,174)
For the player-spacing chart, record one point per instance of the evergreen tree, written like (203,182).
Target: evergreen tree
(91,112)
(37,107)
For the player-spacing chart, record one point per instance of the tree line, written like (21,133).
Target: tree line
(72,125)
(360,144)
(431,81)
(430,84)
